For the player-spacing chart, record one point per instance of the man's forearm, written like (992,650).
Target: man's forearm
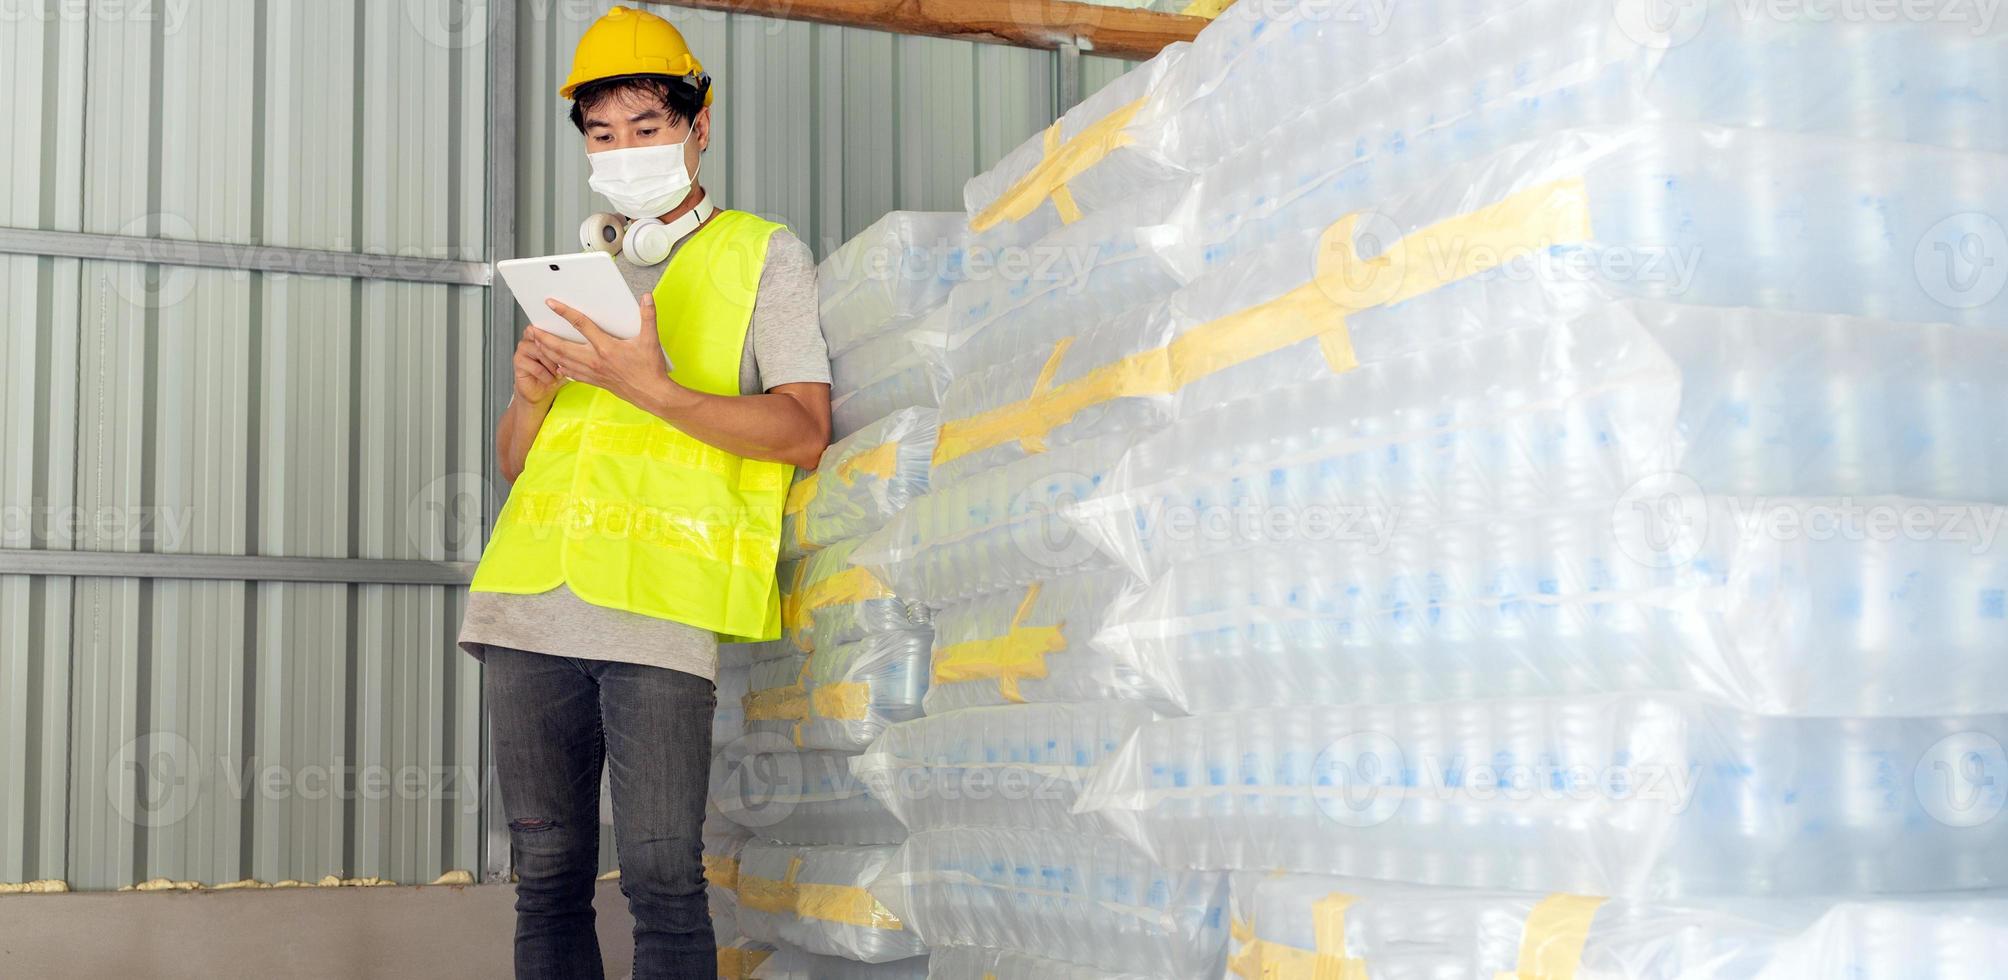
(770,426)
(520,422)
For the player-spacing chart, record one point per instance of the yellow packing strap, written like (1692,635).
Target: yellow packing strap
(739,962)
(1551,944)
(1246,960)
(788,703)
(1034,441)
(841,701)
(1328,918)
(853,584)
(1343,283)
(801,533)
(768,895)
(879,461)
(1208,9)
(722,872)
(1063,162)
(1020,653)
(801,494)
(848,904)
(1260,959)
(1063,199)
(797,506)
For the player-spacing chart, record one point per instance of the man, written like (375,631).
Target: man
(644,518)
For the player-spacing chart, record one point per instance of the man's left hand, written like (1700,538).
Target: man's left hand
(636,370)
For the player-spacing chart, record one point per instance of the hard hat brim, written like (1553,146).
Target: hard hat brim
(710,90)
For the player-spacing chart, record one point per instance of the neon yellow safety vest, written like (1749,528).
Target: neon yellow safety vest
(629,511)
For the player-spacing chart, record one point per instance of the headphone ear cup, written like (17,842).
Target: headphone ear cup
(603,231)
(647,241)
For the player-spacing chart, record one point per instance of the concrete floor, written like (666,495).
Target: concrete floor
(297,933)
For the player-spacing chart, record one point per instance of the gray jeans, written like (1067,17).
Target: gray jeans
(554,721)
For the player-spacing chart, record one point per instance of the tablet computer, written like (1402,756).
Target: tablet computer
(586,281)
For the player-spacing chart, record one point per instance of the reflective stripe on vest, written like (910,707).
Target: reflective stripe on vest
(629,511)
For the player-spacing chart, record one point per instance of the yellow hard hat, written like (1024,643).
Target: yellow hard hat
(626,41)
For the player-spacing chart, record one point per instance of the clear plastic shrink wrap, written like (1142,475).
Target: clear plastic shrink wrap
(790,963)
(829,601)
(1259,66)
(958,962)
(900,369)
(1284,925)
(1460,552)
(1031,644)
(1080,898)
(728,719)
(721,876)
(1555,217)
(1080,164)
(862,481)
(1016,766)
(896,270)
(1761,615)
(852,692)
(1604,338)
(1086,272)
(842,697)
(765,902)
(814,899)
(1001,529)
(740,958)
(1537,68)
(779,793)
(1643,796)
(888,353)
(1744,401)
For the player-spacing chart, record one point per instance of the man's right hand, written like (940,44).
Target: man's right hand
(537,379)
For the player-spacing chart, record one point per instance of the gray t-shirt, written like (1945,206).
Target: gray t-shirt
(784,345)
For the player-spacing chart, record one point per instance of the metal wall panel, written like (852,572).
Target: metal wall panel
(43,70)
(221,730)
(41,63)
(37,489)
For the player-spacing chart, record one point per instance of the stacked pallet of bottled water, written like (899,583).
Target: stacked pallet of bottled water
(1512,553)
(1522,453)
(997,874)
(998,869)
(878,291)
(852,656)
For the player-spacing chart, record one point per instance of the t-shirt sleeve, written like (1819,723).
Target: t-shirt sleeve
(788,346)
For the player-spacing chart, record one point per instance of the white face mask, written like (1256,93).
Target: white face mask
(642,181)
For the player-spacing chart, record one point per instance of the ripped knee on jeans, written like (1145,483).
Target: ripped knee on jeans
(530,825)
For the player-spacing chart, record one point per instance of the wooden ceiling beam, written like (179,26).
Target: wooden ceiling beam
(1111,31)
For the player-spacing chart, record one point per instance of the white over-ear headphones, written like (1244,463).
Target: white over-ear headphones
(645,241)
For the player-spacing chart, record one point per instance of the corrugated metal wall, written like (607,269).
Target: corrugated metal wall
(220,730)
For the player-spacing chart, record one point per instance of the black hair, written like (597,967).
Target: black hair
(681,98)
